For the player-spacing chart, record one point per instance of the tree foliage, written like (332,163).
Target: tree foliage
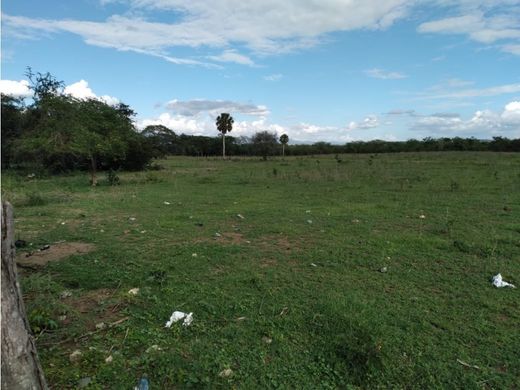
(224,125)
(265,143)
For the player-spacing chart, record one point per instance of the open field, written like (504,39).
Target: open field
(292,294)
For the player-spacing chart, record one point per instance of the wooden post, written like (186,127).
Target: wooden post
(21,368)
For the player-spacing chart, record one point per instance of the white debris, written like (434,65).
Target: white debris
(166,203)
(133,291)
(153,348)
(179,315)
(131,219)
(314,265)
(217,234)
(226,373)
(240,216)
(309,221)
(498,282)
(193,255)
(307,211)
(422,216)
(101,326)
(109,359)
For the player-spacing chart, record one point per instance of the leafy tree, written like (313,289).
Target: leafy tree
(12,116)
(224,124)
(284,139)
(265,143)
(161,139)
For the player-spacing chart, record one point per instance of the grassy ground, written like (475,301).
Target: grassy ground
(292,295)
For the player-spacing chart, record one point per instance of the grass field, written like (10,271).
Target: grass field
(292,294)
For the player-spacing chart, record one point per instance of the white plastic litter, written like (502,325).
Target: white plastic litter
(179,315)
(133,291)
(166,203)
(498,282)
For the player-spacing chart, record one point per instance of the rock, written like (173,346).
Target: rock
(109,359)
(267,340)
(383,269)
(84,382)
(226,373)
(153,348)
(75,357)
(101,326)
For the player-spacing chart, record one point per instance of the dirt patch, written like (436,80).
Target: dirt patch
(281,243)
(55,252)
(264,263)
(96,306)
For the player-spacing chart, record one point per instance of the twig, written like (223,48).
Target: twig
(467,365)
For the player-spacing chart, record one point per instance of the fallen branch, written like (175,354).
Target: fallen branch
(467,365)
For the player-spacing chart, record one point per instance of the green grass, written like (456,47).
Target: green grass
(313,288)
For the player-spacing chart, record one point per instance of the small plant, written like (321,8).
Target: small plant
(41,321)
(454,186)
(35,199)
(113,178)
(275,172)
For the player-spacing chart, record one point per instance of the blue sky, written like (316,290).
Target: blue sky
(328,70)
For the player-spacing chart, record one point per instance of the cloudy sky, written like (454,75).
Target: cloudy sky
(318,70)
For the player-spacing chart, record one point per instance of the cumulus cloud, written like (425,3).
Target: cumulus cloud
(483,123)
(384,75)
(198,106)
(369,122)
(81,90)
(17,89)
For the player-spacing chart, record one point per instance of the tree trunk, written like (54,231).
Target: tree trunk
(223,145)
(283,150)
(93,167)
(20,365)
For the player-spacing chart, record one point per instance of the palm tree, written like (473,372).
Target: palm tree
(224,124)
(284,139)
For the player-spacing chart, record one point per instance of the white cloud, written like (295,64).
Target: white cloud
(273,77)
(233,56)
(369,122)
(17,89)
(81,90)
(454,89)
(483,123)
(384,75)
(264,27)
(198,106)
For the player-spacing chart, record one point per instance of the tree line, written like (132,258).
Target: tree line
(60,133)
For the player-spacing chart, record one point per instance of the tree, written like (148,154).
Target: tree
(224,124)
(265,143)
(12,116)
(161,139)
(284,139)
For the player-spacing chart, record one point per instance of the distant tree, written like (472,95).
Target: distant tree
(284,139)
(12,116)
(224,124)
(161,139)
(265,143)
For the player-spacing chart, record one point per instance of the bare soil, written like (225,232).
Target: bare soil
(56,252)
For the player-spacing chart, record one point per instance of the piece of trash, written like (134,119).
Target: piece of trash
(267,340)
(133,291)
(102,231)
(45,247)
(179,315)
(166,203)
(20,243)
(217,234)
(284,311)
(309,221)
(226,373)
(241,318)
(143,384)
(153,348)
(101,326)
(143,231)
(193,255)
(498,282)
(422,216)
(31,175)
(248,242)
(307,211)
(65,294)
(63,223)
(314,265)
(467,365)
(109,359)
(355,221)
(131,219)
(240,216)
(62,318)
(75,356)
(383,270)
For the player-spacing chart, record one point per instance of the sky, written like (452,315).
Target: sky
(317,70)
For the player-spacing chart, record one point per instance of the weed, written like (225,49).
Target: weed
(112,178)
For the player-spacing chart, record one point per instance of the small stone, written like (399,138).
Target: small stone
(422,216)
(109,359)
(131,219)
(101,326)
(226,373)
(63,223)
(133,291)
(308,211)
(65,294)
(75,356)
(102,231)
(355,221)
(383,270)
(153,348)
(267,340)
(309,221)
(194,255)
(84,382)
